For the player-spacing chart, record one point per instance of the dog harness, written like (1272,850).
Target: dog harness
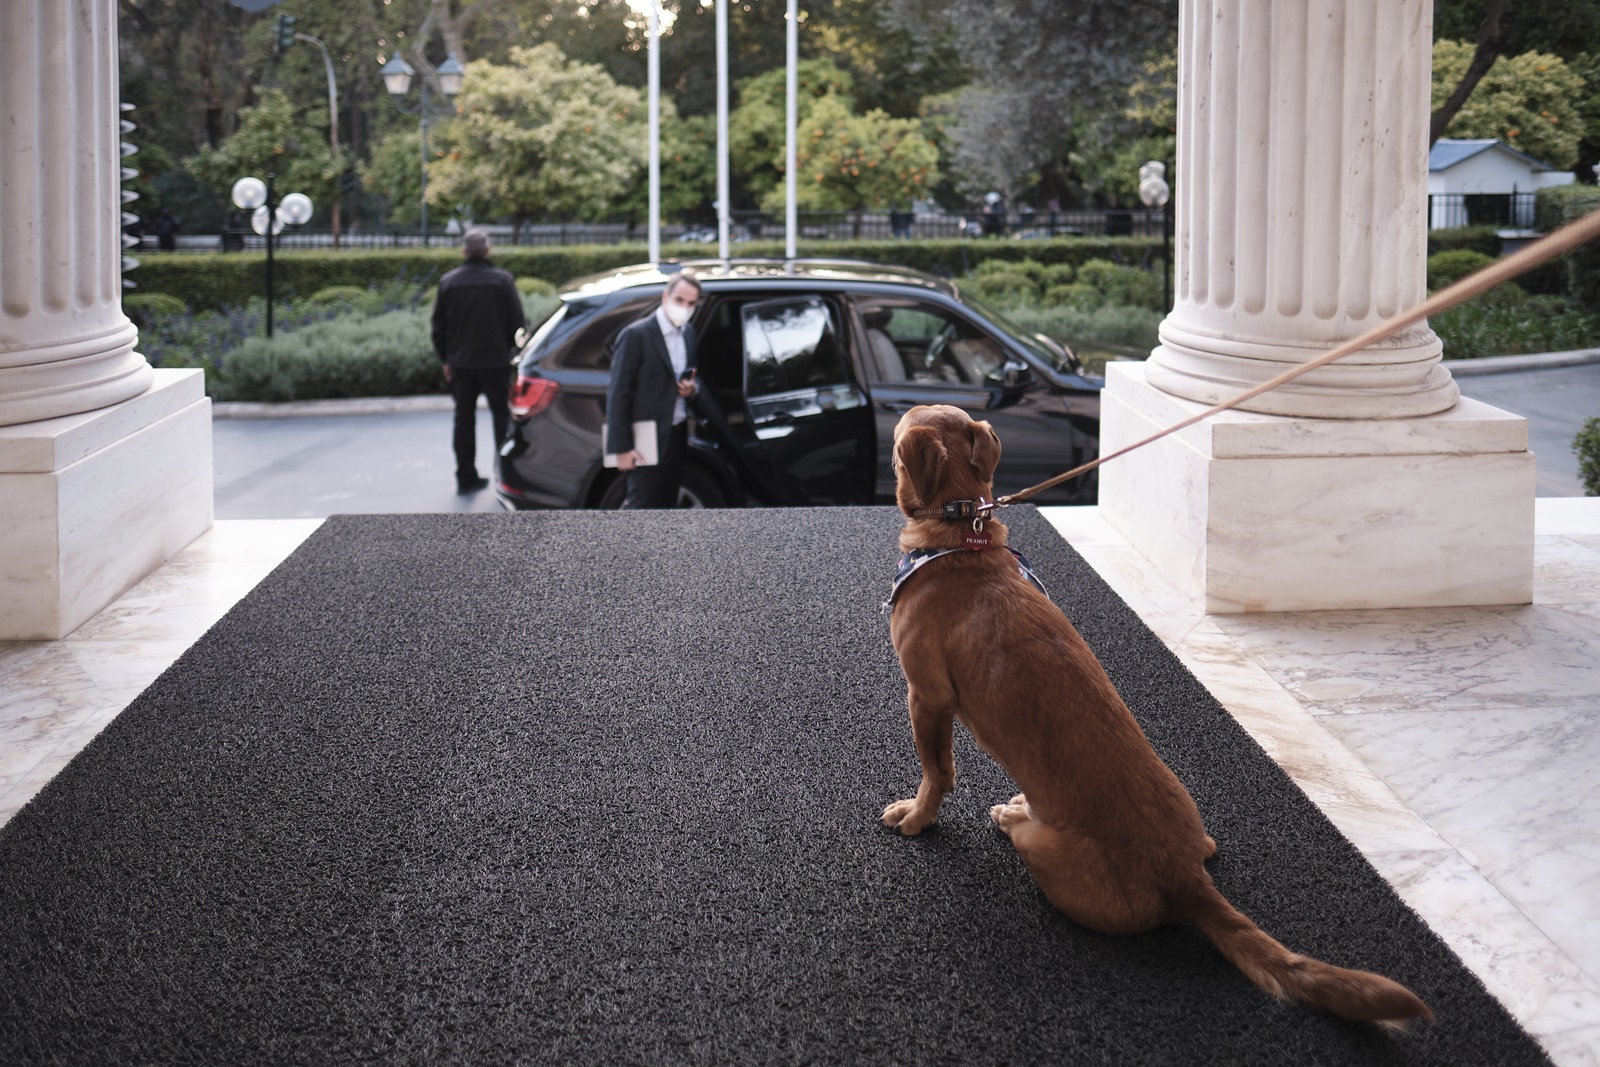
(917,558)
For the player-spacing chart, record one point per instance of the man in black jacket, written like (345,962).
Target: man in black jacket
(476,317)
(652,378)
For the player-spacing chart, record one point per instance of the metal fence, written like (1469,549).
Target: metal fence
(1508,210)
(746,226)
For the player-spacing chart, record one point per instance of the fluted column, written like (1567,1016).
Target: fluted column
(1301,186)
(65,345)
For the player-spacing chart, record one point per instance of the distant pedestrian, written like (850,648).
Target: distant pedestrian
(476,317)
(167,230)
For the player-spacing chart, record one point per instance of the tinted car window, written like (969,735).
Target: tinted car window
(582,341)
(927,343)
(791,345)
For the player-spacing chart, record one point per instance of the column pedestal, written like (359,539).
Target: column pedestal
(1251,512)
(95,501)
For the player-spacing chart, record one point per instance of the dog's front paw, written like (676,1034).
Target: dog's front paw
(903,815)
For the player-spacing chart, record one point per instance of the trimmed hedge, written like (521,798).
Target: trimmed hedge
(1446,268)
(145,309)
(1485,239)
(230,279)
(1587,447)
(1555,207)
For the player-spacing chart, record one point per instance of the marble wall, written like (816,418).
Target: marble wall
(95,501)
(1249,512)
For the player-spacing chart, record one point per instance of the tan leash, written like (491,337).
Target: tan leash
(1548,247)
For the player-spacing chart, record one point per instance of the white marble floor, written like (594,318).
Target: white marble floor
(1451,746)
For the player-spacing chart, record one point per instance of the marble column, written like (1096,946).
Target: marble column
(1302,159)
(1301,202)
(65,345)
(105,464)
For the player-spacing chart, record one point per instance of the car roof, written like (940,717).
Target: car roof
(717,274)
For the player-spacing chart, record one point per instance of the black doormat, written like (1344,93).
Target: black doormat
(603,789)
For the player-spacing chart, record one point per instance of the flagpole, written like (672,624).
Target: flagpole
(791,113)
(723,206)
(654,49)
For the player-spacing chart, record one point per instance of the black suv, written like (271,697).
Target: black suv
(805,367)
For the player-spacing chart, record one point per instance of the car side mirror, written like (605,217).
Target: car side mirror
(1012,376)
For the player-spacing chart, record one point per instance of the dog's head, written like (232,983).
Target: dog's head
(941,454)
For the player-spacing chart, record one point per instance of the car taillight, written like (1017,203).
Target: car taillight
(531,395)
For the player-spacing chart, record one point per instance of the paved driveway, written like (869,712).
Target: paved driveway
(1556,403)
(314,466)
(319,465)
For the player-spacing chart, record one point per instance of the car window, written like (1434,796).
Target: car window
(550,343)
(590,347)
(791,345)
(912,341)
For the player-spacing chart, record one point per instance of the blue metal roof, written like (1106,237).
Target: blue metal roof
(1446,153)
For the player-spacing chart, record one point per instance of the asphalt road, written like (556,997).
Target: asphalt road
(1556,403)
(316,466)
(313,466)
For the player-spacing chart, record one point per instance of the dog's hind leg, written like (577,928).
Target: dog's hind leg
(931,728)
(1073,872)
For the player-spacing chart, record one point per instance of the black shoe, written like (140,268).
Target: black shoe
(471,485)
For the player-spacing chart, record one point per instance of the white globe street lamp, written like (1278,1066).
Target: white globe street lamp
(1155,192)
(268,218)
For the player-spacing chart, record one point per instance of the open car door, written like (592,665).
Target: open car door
(805,407)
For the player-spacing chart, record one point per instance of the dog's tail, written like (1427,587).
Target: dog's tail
(1357,995)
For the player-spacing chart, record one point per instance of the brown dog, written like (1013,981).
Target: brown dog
(1108,831)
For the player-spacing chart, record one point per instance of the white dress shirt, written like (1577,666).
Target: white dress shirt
(679,356)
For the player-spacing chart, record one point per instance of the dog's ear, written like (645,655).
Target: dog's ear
(985,450)
(922,459)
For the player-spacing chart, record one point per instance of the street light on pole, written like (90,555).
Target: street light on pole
(397,74)
(269,216)
(1155,192)
(287,35)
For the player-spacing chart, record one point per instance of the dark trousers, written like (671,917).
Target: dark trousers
(465,385)
(657,487)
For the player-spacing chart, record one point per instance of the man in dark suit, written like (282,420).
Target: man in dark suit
(653,377)
(476,317)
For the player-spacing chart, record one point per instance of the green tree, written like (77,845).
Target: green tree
(1043,70)
(756,145)
(847,161)
(395,173)
(540,135)
(273,138)
(1531,101)
(688,169)
(1106,155)
(1567,28)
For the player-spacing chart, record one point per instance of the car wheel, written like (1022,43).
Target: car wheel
(699,490)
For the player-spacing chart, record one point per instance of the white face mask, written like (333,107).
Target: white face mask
(677,314)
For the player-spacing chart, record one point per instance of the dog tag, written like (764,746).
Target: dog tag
(976,540)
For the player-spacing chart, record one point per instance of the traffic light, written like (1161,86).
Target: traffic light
(286,24)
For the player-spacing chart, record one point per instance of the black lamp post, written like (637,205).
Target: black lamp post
(1155,192)
(397,74)
(269,215)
